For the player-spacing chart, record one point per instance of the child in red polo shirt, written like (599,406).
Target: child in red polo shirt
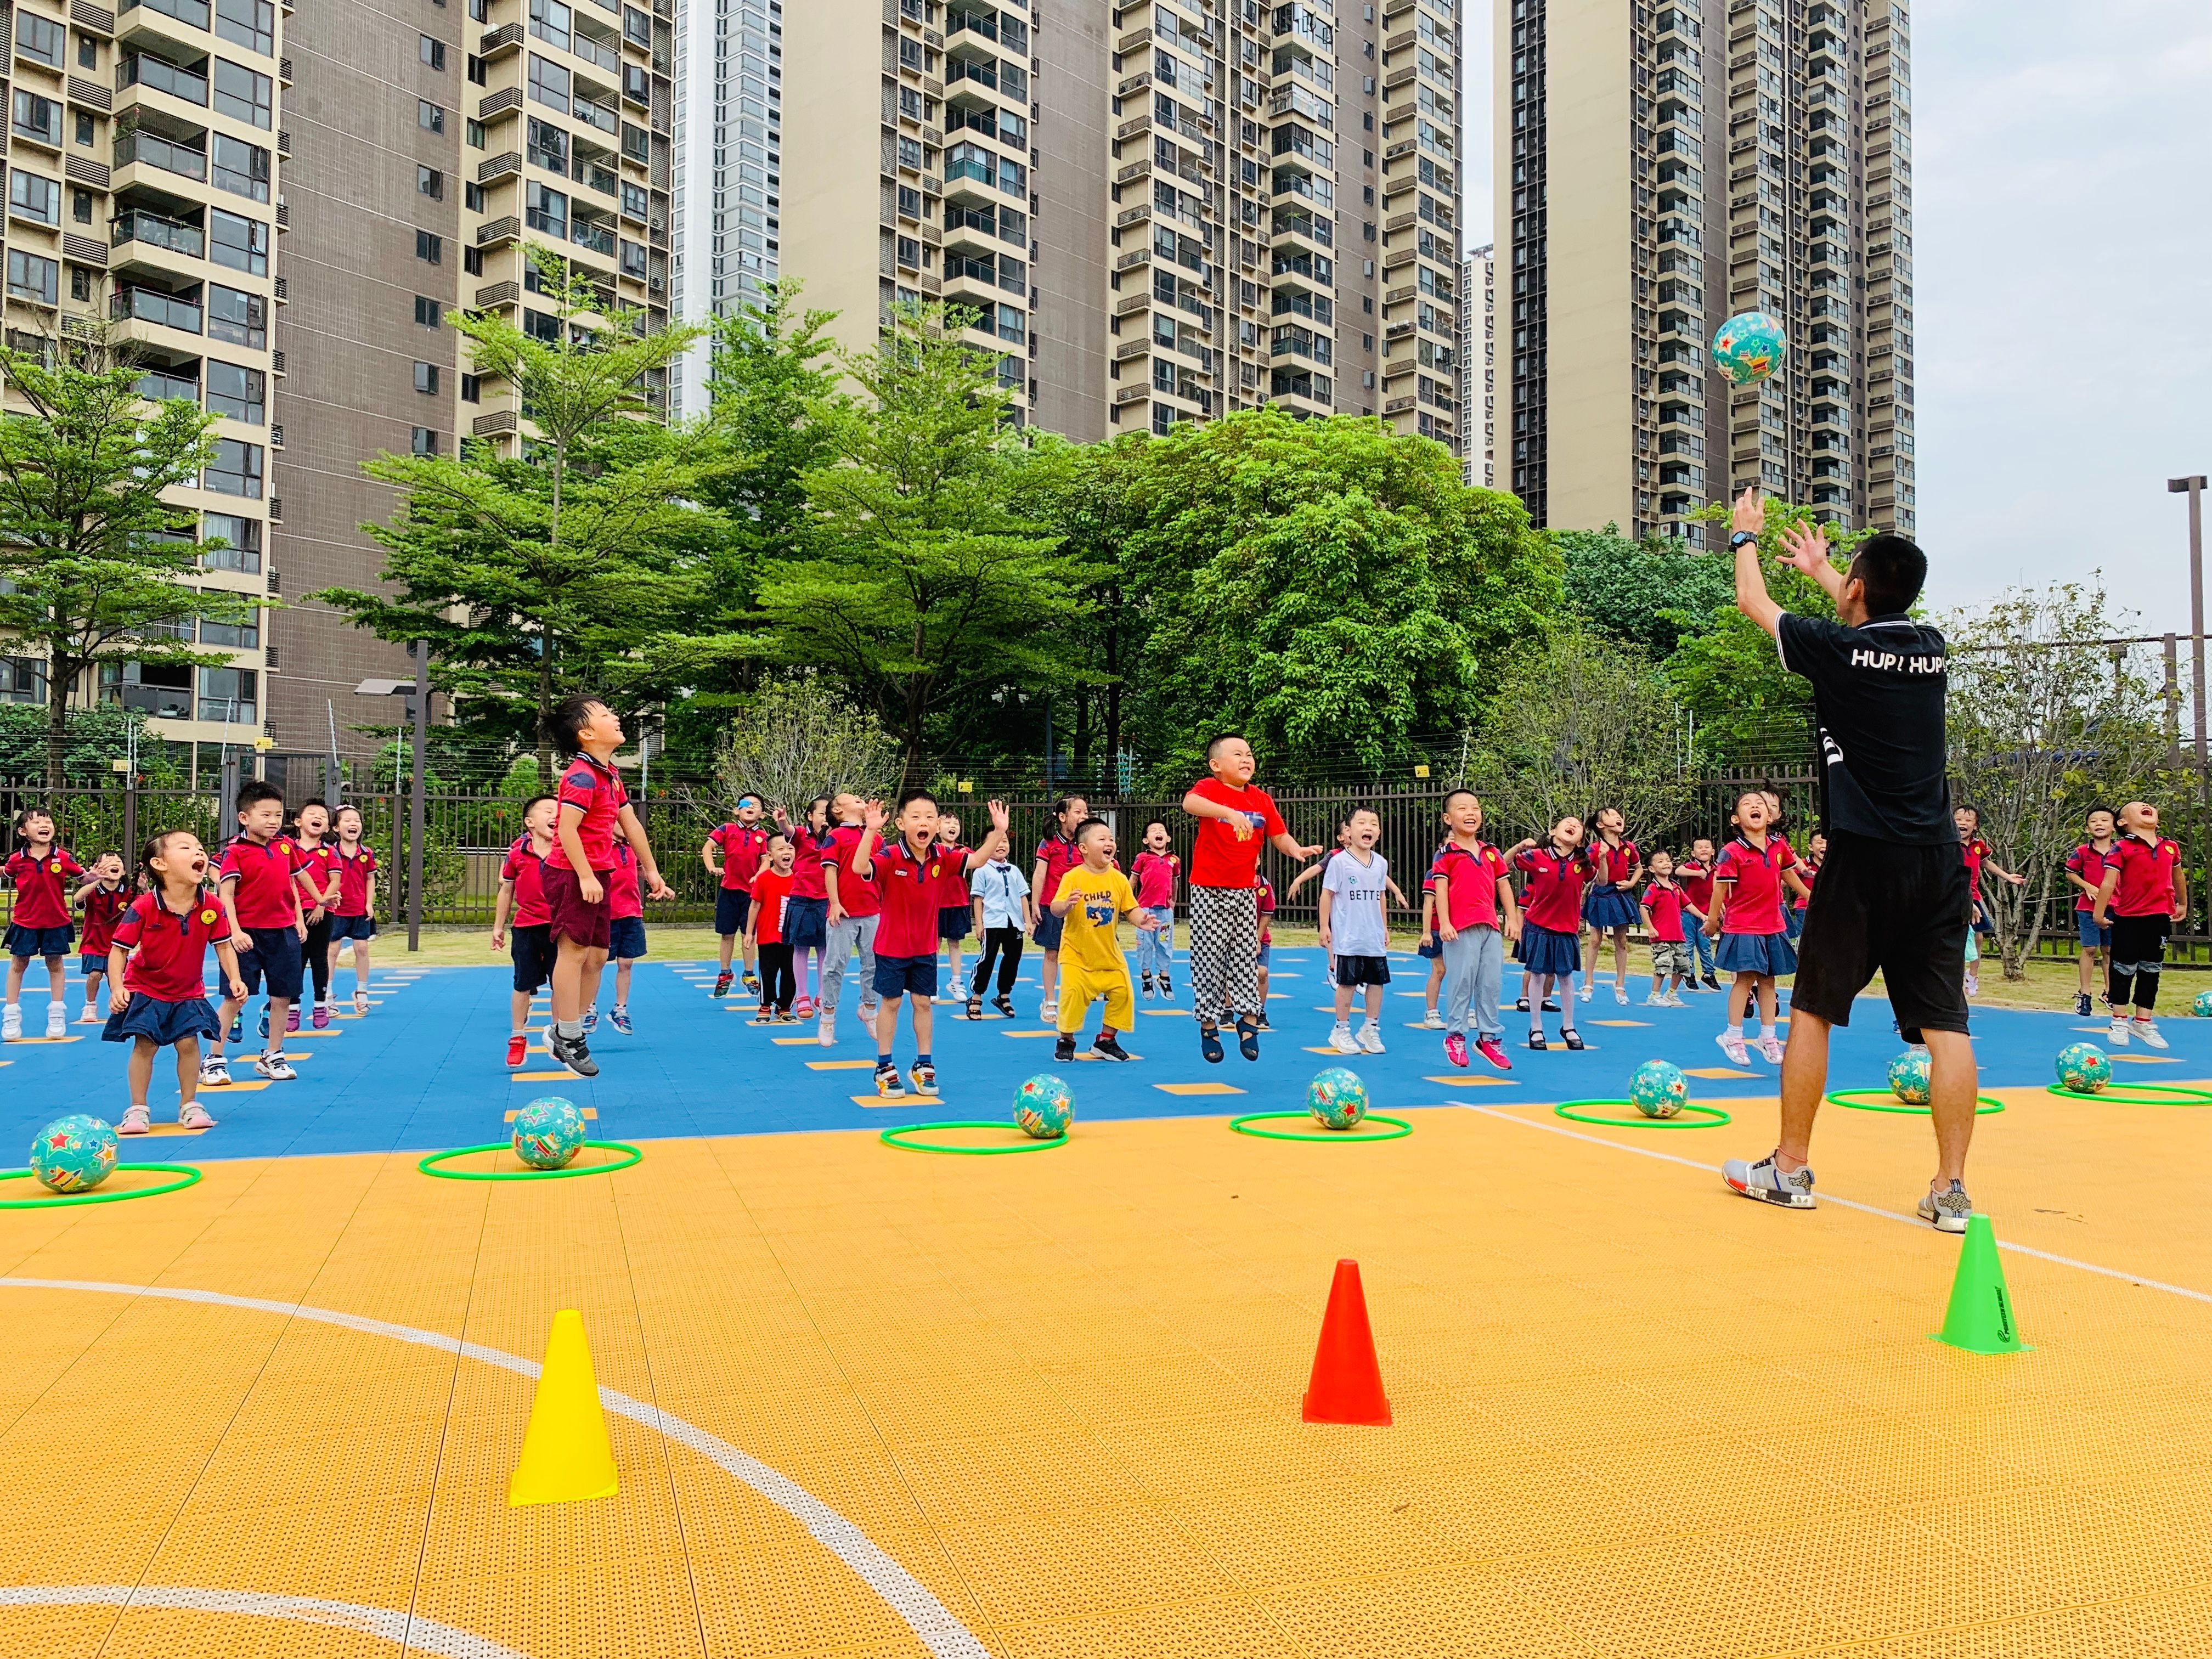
(1750,879)
(732,854)
(1056,855)
(764,941)
(917,874)
(953,922)
(39,924)
(1553,873)
(103,899)
(1235,820)
(807,909)
(1472,890)
(2145,891)
(520,912)
(1663,903)
(1695,876)
(262,901)
(353,919)
(1609,905)
(156,998)
(594,810)
(625,930)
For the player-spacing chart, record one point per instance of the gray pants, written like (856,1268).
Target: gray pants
(1475,968)
(846,936)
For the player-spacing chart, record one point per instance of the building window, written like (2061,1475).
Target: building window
(40,38)
(427,311)
(549,83)
(87,51)
(540,325)
(548,21)
(164,692)
(231,695)
(84,129)
(237,636)
(236,391)
(545,145)
(37,118)
(472,261)
(160,385)
(252,23)
(240,317)
(430,182)
(30,197)
(425,376)
(22,679)
(30,277)
(546,209)
(236,469)
(473,197)
(471,388)
(240,243)
(473,131)
(479,72)
(241,543)
(424,442)
(431,247)
(243,94)
(239,168)
(431,52)
(430,116)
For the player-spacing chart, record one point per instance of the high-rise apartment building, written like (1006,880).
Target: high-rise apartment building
(142,191)
(729,122)
(1660,168)
(1478,373)
(1160,212)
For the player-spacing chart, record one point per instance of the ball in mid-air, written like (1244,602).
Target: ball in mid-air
(1658,1089)
(548,1132)
(1908,1078)
(2083,1069)
(1043,1108)
(74,1154)
(1749,347)
(1336,1097)
(2203,1004)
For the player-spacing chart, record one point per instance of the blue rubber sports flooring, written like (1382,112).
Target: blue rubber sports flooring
(426,1070)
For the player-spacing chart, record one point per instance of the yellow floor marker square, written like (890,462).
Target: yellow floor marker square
(74,1036)
(178,1128)
(1459,1080)
(896,1101)
(1620,1021)
(1714,1071)
(591,1113)
(1324,1048)
(1198,1088)
(1045,1033)
(311,1032)
(2143,1059)
(794,1041)
(1165,1013)
(546,1077)
(841,1065)
(241,1086)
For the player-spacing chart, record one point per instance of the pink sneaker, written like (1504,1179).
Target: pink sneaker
(1455,1048)
(322,1017)
(1734,1048)
(1488,1048)
(292,1018)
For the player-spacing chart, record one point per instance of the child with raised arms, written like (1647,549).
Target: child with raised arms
(1153,872)
(103,899)
(1314,872)
(1056,855)
(1234,820)
(732,853)
(519,914)
(1609,905)
(1355,931)
(262,901)
(807,912)
(2085,873)
(39,925)
(1749,883)
(625,930)
(1664,904)
(1471,889)
(1266,889)
(1004,917)
(764,940)
(156,964)
(953,921)
(1553,872)
(914,874)
(2144,891)
(353,918)
(1092,899)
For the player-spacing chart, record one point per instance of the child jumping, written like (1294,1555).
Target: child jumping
(319,891)
(520,906)
(732,853)
(1555,872)
(1609,906)
(2145,891)
(1663,903)
(1472,892)
(1355,933)
(1695,875)
(1003,916)
(764,940)
(103,900)
(625,931)
(1153,872)
(1056,855)
(1224,901)
(353,919)
(2085,873)
(157,962)
(953,921)
(1746,917)
(1092,897)
(263,903)
(806,913)
(39,925)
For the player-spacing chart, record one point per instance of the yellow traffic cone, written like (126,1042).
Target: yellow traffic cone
(566,1456)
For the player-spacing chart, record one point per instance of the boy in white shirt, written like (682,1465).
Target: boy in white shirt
(1353,931)
(1003,916)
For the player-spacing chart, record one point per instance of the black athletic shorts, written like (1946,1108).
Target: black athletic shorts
(1901,911)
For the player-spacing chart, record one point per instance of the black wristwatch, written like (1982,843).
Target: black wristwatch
(1741,537)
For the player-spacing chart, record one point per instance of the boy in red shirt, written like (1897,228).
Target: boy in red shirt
(625,930)
(261,900)
(39,925)
(1233,820)
(1662,903)
(1056,855)
(1473,895)
(1550,948)
(1694,874)
(353,918)
(1979,857)
(103,900)
(521,906)
(2146,891)
(156,998)
(594,811)
(764,941)
(732,854)
(1750,879)
(2085,873)
(807,909)
(916,875)
(953,922)
(855,912)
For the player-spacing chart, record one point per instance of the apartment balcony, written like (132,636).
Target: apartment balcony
(155,309)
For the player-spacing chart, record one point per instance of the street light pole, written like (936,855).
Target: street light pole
(2193,487)
(419,654)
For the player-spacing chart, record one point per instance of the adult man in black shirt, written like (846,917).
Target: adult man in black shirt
(1893,894)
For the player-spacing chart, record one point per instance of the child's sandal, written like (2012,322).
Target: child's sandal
(974,1007)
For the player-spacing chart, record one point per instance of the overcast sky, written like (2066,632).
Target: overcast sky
(2062,229)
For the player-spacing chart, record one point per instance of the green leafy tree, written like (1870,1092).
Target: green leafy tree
(1651,592)
(532,573)
(95,566)
(1330,587)
(799,737)
(923,584)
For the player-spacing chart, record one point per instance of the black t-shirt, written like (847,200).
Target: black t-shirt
(1878,693)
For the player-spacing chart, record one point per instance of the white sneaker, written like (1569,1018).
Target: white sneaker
(1769,1050)
(827,1032)
(1371,1040)
(1656,1000)
(2117,1031)
(1732,1046)
(1674,1000)
(1973,983)
(56,1019)
(1620,994)
(1433,1021)
(11,1022)
(274,1068)
(215,1073)
(1341,1039)
(2149,1033)
(92,1017)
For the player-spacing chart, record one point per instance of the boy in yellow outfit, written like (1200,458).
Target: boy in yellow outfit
(1092,899)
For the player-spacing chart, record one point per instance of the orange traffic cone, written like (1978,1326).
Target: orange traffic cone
(1347,1385)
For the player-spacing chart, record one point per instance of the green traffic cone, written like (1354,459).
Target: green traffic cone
(1979,1319)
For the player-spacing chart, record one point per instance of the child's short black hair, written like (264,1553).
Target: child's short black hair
(255,791)
(1356,808)
(1213,744)
(1059,807)
(1451,795)
(314,800)
(24,817)
(569,717)
(2101,807)
(1089,824)
(108,853)
(533,801)
(773,836)
(151,851)
(1968,808)
(914,795)
(1893,569)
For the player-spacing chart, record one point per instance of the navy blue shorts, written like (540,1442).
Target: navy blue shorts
(954,921)
(164,1022)
(531,950)
(40,941)
(1048,928)
(88,964)
(807,923)
(1757,953)
(1983,925)
(345,927)
(2092,936)
(278,956)
(731,906)
(1432,947)
(626,938)
(901,976)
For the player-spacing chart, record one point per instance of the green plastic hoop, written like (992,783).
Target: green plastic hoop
(1708,1117)
(1399,1127)
(1884,1100)
(62,1200)
(2136,1093)
(430,1165)
(892,1137)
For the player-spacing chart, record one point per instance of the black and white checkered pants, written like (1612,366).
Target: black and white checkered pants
(1225,953)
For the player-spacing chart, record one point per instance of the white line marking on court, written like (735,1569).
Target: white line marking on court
(943,1634)
(1846,1203)
(410,1630)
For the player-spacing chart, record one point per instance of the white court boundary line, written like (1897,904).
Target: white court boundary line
(1844,1203)
(409,1631)
(931,1621)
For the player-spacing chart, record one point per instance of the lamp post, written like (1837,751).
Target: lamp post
(2193,487)
(417,690)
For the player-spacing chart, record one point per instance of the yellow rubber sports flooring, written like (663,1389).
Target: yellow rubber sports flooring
(867,1402)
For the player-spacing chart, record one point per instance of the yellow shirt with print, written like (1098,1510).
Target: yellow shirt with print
(1088,941)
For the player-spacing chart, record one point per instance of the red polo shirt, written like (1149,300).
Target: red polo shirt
(1059,855)
(1612,863)
(317,864)
(1754,903)
(42,887)
(595,792)
(1553,898)
(1470,880)
(168,952)
(1665,904)
(2146,884)
(527,871)
(742,845)
(2086,862)
(807,851)
(265,871)
(914,890)
(770,890)
(354,872)
(1696,881)
(1974,850)
(857,896)
(103,909)
(625,897)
